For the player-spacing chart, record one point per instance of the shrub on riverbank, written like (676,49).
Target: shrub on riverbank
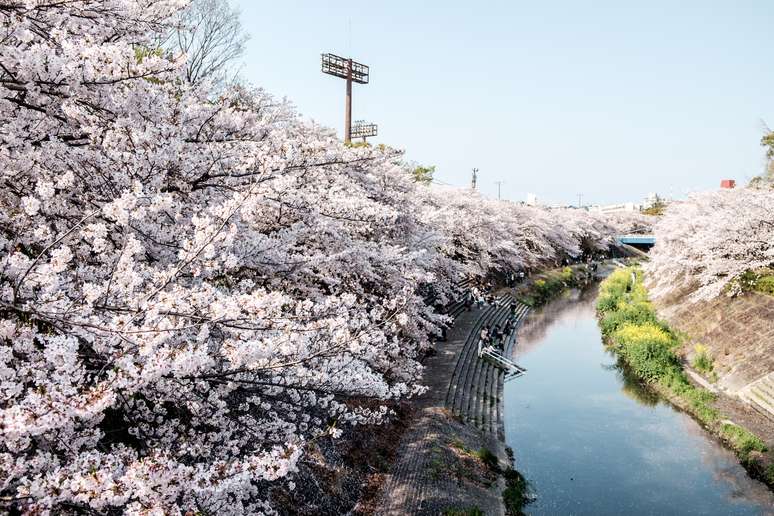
(551,283)
(629,322)
(516,495)
(632,329)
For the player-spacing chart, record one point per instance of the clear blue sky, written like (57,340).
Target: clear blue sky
(611,99)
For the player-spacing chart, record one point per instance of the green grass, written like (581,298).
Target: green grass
(742,440)
(489,459)
(516,493)
(457,443)
(632,329)
(704,363)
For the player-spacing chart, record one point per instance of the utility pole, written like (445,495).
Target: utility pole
(580,196)
(352,71)
(498,183)
(475,177)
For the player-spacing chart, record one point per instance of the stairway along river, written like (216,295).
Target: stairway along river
(591,439)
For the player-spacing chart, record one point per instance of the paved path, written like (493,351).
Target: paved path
(460,413)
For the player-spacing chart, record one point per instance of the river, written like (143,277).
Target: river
(591,440)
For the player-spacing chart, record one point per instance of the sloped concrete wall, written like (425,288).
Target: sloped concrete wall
(739,333)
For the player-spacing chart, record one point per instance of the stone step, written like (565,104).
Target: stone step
(491,408)
(760,394)
(766,384)
(476,385)
(762,400)
(490,398)
(457,397)
(453,393)
(464,365)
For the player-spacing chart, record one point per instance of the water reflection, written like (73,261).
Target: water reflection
(591,439)
(631,385)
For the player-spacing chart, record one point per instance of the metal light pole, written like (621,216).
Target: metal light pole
(352,71)
(348,107)
(475,177)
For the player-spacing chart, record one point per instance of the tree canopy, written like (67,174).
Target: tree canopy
(196,282)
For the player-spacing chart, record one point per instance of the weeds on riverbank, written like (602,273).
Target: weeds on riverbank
(516,495)
(743,440)
(551,283)
(632,329)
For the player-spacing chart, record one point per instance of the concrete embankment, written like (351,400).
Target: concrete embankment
(738,335)
(453,456)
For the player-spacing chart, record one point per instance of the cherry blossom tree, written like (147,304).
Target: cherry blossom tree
(196,283)
(707,242)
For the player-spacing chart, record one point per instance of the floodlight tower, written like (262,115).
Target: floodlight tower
(352,71)
(363,129)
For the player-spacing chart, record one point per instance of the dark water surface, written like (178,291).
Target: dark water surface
(590,440)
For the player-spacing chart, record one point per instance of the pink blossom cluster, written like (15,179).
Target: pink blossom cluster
(704,244)
(195,282)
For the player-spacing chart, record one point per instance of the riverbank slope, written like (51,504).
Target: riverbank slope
(658,354)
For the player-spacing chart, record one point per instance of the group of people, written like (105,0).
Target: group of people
(479,296)
(493,338)
(512,278)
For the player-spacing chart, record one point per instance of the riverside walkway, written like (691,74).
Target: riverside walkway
(460,414)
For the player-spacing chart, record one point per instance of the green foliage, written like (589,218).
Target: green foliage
(703,361)
(423,174)
(647,350)
(458,444)
(742,440)
(516,493)
(765,285)
(636,312)
(550,284)
(489,459)
(768,475)
(658,208)
(614,290)
(761,280)
(646,344)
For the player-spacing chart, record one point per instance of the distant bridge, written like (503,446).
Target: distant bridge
(642,242)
